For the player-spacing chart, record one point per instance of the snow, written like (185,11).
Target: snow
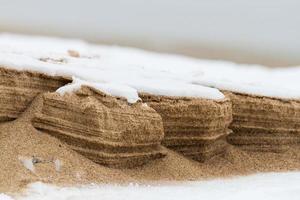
(58,165)
(27,162)
(5,197)
(109,88)
(124,71)
(269,186)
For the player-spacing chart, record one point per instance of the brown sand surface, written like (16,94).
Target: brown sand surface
(195,127)
(105,129)
(180,168)
(234,162)
(19,140)
(263,123)
(278,162)
(19,88)
(55,162)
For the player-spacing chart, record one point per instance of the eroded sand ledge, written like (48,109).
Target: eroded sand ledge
(103,128)
(54,161)
(263,123)
(195,127)
(18,89)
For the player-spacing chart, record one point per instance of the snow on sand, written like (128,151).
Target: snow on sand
(271,186)
(121,71)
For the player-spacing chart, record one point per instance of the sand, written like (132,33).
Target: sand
(103,128)
(263,123)
(53,161)
(29,154)
(18,88)
(20,140)
(195,127)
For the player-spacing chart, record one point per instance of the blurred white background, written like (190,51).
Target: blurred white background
(249,31)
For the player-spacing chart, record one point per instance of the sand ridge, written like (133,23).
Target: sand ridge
(105,129)
(36,155)
(263,123)
(19,88)
(194,127)
(52,161)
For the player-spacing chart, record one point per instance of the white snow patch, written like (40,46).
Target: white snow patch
(270,186)
(57,164)
(109,88)
(28,163)
(5,197)
(123,71)
(145,105)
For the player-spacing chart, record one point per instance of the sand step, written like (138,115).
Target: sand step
(121,160)
(105,129)
(193,126)
(19,88)
(263,123)
(204,152)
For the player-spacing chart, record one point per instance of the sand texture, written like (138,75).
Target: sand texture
(264,124)
(105,129)
(27,155)
(18,89)
(195,127)
(82,137)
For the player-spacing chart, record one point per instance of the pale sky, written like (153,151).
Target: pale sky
(266,27)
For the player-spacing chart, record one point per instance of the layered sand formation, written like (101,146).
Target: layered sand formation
(27,155)
(18,89)
(263,123)
(105,129)
(74,121)
(195,127)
